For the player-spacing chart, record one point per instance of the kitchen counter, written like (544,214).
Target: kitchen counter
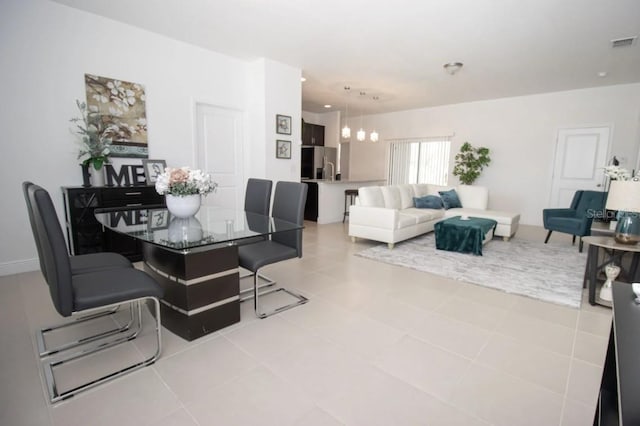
(331,196)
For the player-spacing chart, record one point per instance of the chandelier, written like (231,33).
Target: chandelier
(361,135)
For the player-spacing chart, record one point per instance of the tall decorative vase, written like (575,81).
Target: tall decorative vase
(97,176)
(183,206)
(611,271)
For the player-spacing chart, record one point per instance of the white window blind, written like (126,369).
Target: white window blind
(419,160)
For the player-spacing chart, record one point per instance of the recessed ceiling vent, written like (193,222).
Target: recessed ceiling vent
(623,42)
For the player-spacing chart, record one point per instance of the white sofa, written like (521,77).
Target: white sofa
(387,213)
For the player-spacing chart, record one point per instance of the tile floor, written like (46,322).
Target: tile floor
(376,345)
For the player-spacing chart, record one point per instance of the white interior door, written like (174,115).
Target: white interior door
(219,152)
(581,155)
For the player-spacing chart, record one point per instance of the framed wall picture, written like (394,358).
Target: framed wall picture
(283,149)
(121,106)
(283,124)
(158,219)
(152,168)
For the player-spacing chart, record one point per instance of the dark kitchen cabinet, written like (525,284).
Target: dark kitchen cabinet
(86,235)
(312,134)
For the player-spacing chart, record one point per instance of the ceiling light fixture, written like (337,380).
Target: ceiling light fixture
(374,136)
(346,131)
(361,135)
(327,106)
(302,79)
(453,67)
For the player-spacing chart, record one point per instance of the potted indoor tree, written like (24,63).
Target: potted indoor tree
(470,162)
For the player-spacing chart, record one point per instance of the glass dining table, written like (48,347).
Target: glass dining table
(194,259)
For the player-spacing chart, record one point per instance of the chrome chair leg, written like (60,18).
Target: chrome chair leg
(55,395)
(43,351)
(301,299)
(268,282)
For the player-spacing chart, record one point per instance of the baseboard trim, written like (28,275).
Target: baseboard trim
(19,266)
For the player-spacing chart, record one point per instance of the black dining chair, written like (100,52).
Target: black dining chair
(288,205)
(79,264)
(257,199)
(88,292)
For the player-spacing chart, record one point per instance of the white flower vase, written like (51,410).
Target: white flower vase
(97,176)
(183,206)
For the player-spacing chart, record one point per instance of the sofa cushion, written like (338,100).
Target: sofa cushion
(502,217)
(450,199)
(420,189)
(406,196)
(391,196)
(424,215)
(436,189)
(370,196)
(428,202)
(406,220)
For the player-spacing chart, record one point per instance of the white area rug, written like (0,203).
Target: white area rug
(534,269)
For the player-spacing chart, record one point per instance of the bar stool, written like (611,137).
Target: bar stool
(349,198)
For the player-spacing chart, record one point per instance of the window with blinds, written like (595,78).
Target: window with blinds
(421,160)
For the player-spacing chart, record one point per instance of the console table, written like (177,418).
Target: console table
(620,386)
(86,235)
(614,252)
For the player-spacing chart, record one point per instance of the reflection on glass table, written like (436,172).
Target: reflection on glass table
(210,226)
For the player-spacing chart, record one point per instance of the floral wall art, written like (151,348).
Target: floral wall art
(121,105)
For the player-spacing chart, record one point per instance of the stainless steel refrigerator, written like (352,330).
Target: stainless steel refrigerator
(314,162)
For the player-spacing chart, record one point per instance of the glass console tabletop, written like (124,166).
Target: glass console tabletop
(210,226)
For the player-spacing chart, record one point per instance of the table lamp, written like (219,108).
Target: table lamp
(624,196)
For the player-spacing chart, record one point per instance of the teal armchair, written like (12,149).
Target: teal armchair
(577,219)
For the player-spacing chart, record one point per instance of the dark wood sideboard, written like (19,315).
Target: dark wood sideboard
(86,235)
(619,399)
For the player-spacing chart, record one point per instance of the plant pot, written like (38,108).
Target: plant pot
(97,176)
(183,206)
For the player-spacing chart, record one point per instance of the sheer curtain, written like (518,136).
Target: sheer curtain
(419,160)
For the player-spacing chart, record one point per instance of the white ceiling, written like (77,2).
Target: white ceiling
(396,49)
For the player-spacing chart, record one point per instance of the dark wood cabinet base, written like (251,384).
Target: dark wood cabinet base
(202,287)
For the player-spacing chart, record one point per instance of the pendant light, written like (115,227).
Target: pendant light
(361,135)
(346,131)
(374,136)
